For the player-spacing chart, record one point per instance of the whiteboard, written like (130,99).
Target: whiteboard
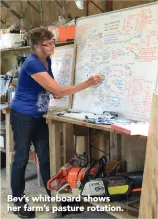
(63,71)
(123,46)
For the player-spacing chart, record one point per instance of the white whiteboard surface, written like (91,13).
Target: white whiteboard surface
(63,71)
(123,46)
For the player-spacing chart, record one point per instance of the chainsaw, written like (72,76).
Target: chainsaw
(93,181)
(71,173)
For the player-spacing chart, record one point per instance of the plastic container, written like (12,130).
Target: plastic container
(63,33)
(66,33)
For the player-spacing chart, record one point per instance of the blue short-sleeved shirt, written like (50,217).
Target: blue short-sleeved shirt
(30,97)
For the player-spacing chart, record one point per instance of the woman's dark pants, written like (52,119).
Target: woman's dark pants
(27,130)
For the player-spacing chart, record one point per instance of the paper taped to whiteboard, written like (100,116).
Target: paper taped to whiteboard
(63,71)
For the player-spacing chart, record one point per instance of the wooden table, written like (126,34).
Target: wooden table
(55,122)
(149,196)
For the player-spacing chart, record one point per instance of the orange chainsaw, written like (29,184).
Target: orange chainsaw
(68,175)
(74,177)
(103,180)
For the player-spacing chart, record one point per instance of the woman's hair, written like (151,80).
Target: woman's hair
(39,34)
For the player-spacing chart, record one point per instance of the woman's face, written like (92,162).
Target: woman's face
(48,46)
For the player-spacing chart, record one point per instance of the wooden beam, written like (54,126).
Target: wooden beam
(11,10)
(149,195)
(86,3)
(36,9)
(108,5)
(4,4)
(97,6)
(58,3)
(2,21)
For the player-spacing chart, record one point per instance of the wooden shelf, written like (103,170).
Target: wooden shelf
(15,49)
(64,43)
(28,47)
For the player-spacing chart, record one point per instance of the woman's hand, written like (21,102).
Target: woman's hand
(95,79)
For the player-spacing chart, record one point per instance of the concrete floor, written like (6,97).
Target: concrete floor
(32,190)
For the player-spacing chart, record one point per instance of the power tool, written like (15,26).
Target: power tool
(95,181)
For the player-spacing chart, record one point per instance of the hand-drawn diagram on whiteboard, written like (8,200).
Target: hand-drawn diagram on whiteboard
(63,71)
(123,46)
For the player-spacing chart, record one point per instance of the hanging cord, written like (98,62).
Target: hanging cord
(22,12)
(41,10)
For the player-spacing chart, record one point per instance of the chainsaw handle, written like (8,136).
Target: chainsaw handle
(114,170)
(101,169)
(85,178)
(49,182)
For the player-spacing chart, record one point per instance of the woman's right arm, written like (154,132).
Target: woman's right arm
(47,82)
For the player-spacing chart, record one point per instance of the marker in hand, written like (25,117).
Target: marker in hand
(95,79)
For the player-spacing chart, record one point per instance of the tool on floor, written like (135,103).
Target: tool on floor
(98,178)
(80,160)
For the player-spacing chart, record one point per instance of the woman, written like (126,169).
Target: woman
(30,103)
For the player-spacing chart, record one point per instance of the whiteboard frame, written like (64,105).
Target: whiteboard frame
(52,108)
(112,12)
(116,11)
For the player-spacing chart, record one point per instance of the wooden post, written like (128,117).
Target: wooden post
(54,147)
(68,142)
(108,5)
(115,146)
(9,146)
(149,195)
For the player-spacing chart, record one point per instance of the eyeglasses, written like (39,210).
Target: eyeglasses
(49,43)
